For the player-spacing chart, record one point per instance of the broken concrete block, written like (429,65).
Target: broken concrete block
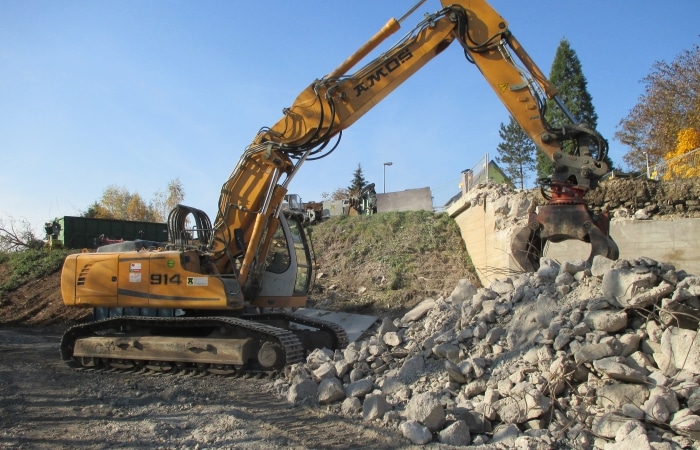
(374,407)
(419,310)
(392,339)
(464,291)
(621,285)
(592,352)
(317,357)
(325,371)
(330,390)
(456,434)
(683,350)
(351,406)
(411,368)
(601,265)
(302,390)
(606,425)
(427,409)
(606,320)
(416,432)
(506,436)
(652,296)
(686,423)
(615,395)
(359,388)
(615,368)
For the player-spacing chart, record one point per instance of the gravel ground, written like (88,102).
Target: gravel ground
(46,405)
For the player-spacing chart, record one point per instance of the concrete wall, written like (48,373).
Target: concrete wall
(419,199)
(489,248)
(674,241)
(670,241)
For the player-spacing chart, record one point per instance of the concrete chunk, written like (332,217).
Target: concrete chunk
(330,390)
(456,434)
(416,432)
(426,409)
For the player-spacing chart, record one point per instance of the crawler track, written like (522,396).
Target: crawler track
(197,345)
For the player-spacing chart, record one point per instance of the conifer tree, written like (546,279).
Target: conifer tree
(517,152)
(358,181)
(567,75)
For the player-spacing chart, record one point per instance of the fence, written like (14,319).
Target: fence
(477,174)
(683,166)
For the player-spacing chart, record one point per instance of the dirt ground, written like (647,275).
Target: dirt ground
(46,405)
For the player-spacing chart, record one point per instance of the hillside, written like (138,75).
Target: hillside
(381,264)
(387,263)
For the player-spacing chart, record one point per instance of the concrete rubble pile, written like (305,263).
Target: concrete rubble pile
(574,356)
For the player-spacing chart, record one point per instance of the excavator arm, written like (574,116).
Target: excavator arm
(251,198)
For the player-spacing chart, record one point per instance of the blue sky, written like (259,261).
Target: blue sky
(137,93)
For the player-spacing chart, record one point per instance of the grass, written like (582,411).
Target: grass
(29,265)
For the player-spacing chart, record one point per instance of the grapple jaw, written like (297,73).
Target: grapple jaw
(564,217)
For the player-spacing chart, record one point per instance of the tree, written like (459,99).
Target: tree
(567,75)
(677,167)
(17,235)
(358,182)
(164,202)
(670,104)
(118,203)
(517,152)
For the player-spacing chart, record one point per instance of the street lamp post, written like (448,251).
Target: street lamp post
(386,164)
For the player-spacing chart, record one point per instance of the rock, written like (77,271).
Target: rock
(506,436)
(474,388)
(419,310)
(351,406)
(615,395)
(637,442)
(359,388)
(592,352)
(601,265)
(392,339)
(387,326)
(416,432)
(301,391)
(426,409)
(693,401)
(476,421)
(356,374)
(374,407)
(621,285)
(330,390)
(605,320)
(573,267)
(686,423)
(456,434)
(464,291)
(607,425)
(615,368)
(325,371)
(682,347)
(318,357)
(652,296)
(447,351)
(411,369)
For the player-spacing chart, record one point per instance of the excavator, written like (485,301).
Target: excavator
(218,299)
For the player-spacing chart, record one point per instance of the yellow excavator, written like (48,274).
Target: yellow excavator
(217,298)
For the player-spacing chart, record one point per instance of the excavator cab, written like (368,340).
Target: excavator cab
(288,266)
